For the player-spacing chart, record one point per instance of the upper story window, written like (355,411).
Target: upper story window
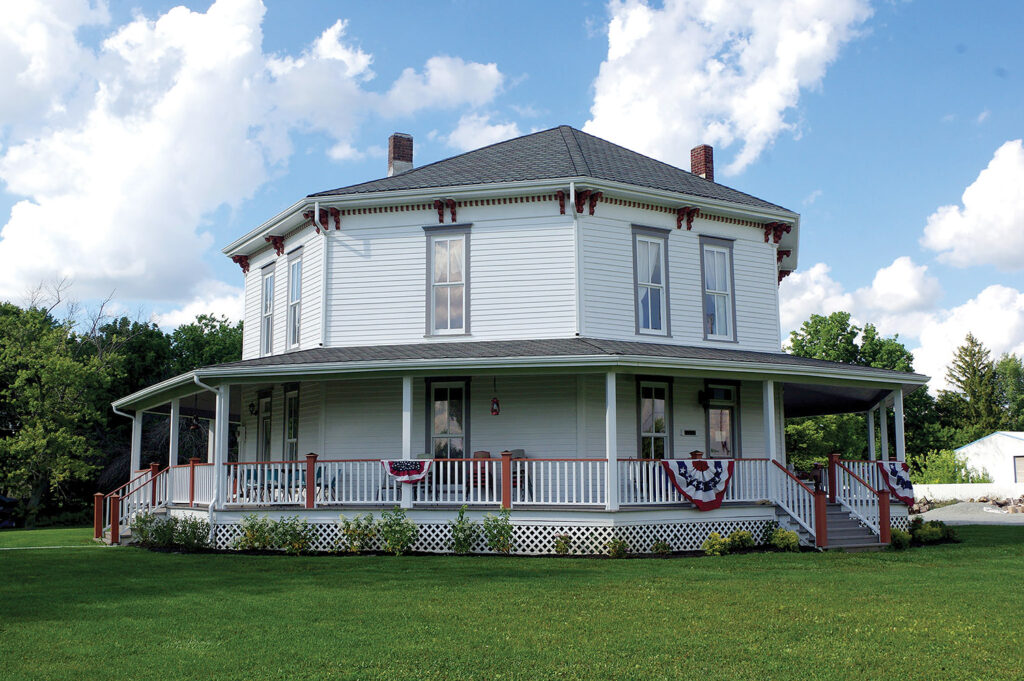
(650,269)
(294,301)
(267,315)
(717,279)
(448,282)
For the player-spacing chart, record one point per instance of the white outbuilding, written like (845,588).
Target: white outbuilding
(1000,454)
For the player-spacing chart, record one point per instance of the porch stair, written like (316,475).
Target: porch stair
(847,533)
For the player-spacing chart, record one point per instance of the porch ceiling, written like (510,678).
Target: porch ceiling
(816,399)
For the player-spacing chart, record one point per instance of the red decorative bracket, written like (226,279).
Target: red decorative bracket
(242,261)
(323,218)
(582,198)
(775,230)
(594,197)
(560,195)
(440,210)
(783,274)
(277,242)
(451,207)
(688,213)
(336,214)
(783,253)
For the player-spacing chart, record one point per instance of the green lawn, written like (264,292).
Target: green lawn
(56,536)
(937,613)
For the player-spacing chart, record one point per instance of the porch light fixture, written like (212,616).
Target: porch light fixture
(495,406)
(252,409)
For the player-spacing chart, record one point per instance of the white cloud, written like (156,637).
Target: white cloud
(812,197)
(139,140)
(995,317)
(476,130)
(721,73)
(210,297)
(989,228)
(812,291)
(900,288)
(983,116)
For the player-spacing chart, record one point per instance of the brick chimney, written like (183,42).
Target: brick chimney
(399,153)
(702,161)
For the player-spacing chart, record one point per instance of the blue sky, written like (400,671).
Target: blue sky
(137,138)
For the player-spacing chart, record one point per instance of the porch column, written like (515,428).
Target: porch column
(211,437)
(610,446)
(770,431)
(901,451)
(871,434)
(884,427)
(406,434)
(172,449)
(136,451)
(219,433)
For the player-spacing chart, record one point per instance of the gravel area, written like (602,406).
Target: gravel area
(968,513)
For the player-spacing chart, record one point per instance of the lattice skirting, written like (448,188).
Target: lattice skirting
(537,540)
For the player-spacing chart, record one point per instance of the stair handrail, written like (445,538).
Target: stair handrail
(125,507)
(875,524)
(808,516)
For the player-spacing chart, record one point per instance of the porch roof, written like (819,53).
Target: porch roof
(578,353)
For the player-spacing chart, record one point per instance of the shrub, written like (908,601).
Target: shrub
(931,532)
(784,540)
(397,533)
(715,545)
(766,534)
(293,534)
(563,544)
(142,526)
(164,530)
(740,539)
(661,548)
(359,531)
(257,533)
(617,548)
(899,539)
(464,533)
(944,466)
(498,531)
(192,534)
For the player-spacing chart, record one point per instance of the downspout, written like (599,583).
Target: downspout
(323,277)
(578,255)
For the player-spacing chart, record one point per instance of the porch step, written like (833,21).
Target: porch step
(846,532)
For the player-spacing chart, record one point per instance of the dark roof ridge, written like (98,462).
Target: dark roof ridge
(574,149)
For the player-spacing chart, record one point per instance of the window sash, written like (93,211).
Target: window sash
(448,284)
(654,421)
(267,322)
(717,292)
(448,423)
(291,416)
(265,428)
(650,277)
(294,303)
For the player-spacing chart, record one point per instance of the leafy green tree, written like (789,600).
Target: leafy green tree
(208,340)
(1009,376)
(972,375)
(50,399)
(832,338)
(944,467)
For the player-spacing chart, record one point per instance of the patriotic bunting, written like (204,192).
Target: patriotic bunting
(702,482)
(407,470)
(897,476)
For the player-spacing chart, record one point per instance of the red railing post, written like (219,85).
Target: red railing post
(311,480)
(154,471)
(833,459)
(97,515)
(506,479)
(192,480)
(820,520)
(115,519)
(884,521)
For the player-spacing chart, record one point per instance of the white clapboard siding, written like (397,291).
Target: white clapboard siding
(312,282)
(364,419)
(251,327)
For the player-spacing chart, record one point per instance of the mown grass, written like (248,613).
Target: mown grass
(51,536)
(944,612)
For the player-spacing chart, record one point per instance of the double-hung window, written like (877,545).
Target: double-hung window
(655,426)
(720,407)
(449,426)
(291,424)
(267,315)
(448,282)
(294,301)
(716,272)
(650,268)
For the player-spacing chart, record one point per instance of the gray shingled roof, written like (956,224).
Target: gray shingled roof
(561,152)
(556,347)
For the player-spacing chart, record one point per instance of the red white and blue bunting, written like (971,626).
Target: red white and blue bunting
(407,470)
(703,483)
(897,476)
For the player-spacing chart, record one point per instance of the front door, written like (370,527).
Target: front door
(448,426)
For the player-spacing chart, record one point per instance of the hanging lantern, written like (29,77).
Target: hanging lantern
(495,406)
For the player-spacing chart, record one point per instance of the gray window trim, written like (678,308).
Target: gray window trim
(651,233)
(297,249)
(1015,478)
(431,231)
(727,244)
(735,385)
(428,408)
(669,409)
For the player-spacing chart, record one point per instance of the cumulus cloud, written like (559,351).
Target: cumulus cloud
(209,297)
(988,229)
(476,130)
(811,291)
(721,73)
(136,142)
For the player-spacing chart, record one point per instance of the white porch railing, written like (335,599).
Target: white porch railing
(460,481)
(205,482)
(559,482)
(266,483)
(181,484)
(355,481)
(796,498)
(867,470)
(857,496)
(143,493)
(644,482)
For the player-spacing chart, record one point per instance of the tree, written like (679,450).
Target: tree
(208,340)
(50,399)
(973,407)
(832,338)
(1009,376)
